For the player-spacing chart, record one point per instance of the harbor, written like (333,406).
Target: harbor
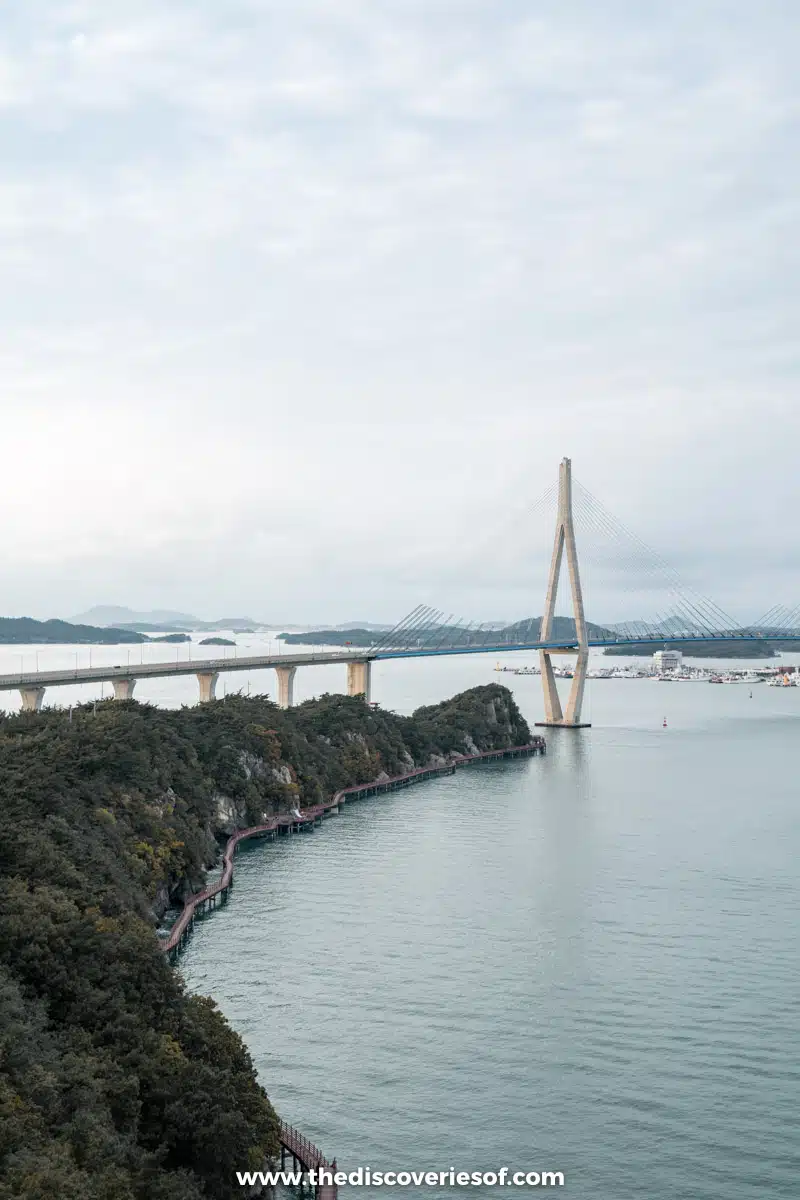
(773,676)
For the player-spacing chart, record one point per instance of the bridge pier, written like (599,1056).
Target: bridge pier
(123,688)
(208,685)
(31,698)
(359,678)
(553,714)
(285,686)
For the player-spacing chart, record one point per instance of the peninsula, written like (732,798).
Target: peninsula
(106,819)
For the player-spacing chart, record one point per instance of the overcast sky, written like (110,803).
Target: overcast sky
(303,302)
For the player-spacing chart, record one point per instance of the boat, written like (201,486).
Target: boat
(782,681)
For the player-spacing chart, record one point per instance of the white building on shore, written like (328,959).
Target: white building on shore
(667,660)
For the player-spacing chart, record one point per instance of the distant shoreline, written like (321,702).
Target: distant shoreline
(25,631)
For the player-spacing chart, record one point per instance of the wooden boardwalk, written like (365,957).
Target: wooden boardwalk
(306,819)
(309,1157)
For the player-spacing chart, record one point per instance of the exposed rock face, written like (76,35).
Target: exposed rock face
(229,815)
(439,760)
(282,774)
(252,765)
(161,902)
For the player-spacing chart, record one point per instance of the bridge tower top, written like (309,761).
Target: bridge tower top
(565,539)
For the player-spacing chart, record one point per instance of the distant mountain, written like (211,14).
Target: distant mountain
(237,624)
(561,630)
(117,615)
(158,619)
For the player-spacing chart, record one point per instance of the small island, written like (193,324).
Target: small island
(217,641)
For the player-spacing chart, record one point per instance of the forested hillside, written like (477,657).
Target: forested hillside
(521,632)
(115,1084)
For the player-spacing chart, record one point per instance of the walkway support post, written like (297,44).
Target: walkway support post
(359,678)
(208,685)
(285,686)
(31,698)
(123,688)
(565,539)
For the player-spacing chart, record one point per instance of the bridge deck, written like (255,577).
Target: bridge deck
(158,670)
(261,662)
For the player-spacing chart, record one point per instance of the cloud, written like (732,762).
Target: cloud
(302,289)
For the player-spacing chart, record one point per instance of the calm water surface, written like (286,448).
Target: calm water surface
(586,963)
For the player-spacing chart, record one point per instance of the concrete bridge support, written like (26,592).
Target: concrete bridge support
(359,678)
(31,698)
(123,688)
(565,540)
(285,686)
(208,685)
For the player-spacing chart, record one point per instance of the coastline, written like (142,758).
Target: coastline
(305,819)
(303,1152)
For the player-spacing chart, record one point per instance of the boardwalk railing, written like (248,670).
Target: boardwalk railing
(217,892)
(306,1154)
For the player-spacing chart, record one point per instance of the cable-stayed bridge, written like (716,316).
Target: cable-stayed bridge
(685,617)
(688,617)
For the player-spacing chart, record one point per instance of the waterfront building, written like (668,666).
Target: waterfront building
(667,660)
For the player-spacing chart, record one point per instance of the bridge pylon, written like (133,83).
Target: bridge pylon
(565,539)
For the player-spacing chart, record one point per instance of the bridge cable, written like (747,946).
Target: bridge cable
(692,608)
(388,634)
(408,627)
(690,595)
(597,521)
(412,624)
